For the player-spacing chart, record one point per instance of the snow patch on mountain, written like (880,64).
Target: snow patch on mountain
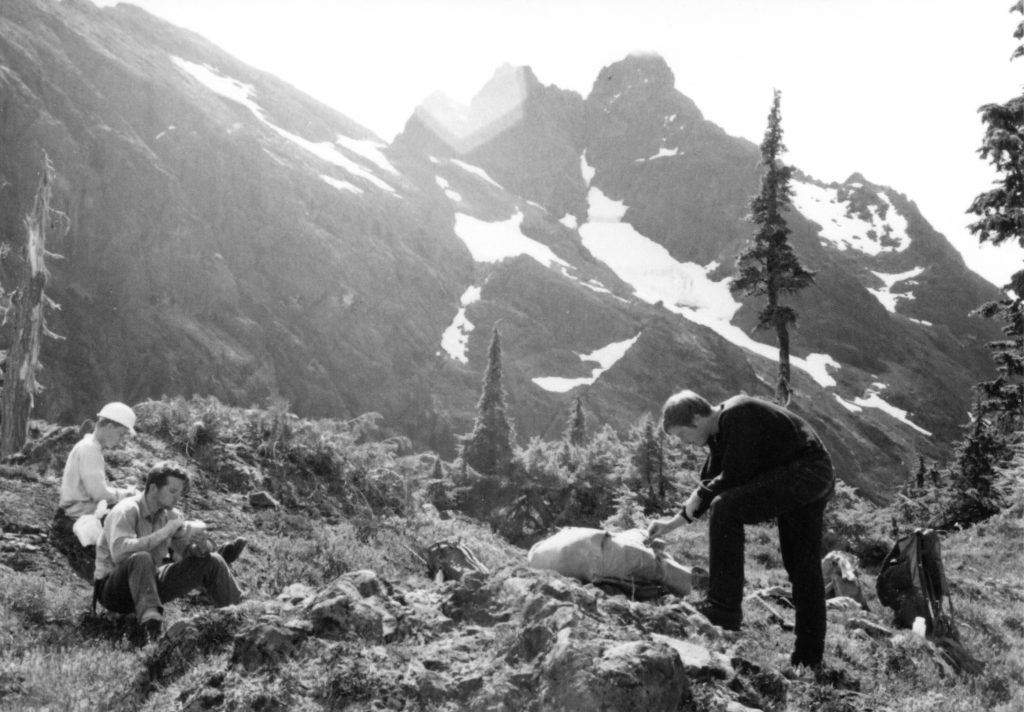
(454,196)
(456,337)
(587,170)
(872,399)
(605,357)
(662,153)
(477,171)
(846,230)
(342,185)
(647,266)
(370,150)
(243,94)
(885,295)
(684,288)
(495,241)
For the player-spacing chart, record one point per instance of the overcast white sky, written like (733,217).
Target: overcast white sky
(889,88)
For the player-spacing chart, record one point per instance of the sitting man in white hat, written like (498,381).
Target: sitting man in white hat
(85,475)
(85,491)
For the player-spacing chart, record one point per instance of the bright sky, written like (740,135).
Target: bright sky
(889,88)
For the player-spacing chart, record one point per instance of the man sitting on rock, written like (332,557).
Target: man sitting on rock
(84,490)
(138,534)
(765,462)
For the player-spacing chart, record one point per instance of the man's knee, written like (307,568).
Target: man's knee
(141,561)
(725,505)
(212,564)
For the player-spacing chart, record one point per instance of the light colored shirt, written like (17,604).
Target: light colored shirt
(129,528)
(84,484)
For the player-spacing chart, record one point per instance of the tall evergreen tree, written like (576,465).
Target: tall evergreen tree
(769,267)
(576,431)
(998,412)
(488,449)
(649,462)
(1000,214)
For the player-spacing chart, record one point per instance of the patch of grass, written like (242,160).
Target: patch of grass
(78,677)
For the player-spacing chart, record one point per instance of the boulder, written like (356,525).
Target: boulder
(263,500)
(266,644)
(599,676)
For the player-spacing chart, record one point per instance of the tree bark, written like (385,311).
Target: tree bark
(18,395)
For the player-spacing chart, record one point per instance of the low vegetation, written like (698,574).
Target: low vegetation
(352,498)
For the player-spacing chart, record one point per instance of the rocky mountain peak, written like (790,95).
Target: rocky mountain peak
(635,71)
(452,128)
(643,79)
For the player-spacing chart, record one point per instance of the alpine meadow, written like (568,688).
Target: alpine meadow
(386,373)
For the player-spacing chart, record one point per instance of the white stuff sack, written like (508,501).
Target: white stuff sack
(593,555)
(89,527)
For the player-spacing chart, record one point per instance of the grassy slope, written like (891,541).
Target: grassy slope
(53,656)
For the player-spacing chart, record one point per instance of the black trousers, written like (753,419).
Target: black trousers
(795,494)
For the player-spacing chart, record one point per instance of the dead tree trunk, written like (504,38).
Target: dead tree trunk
(26,315)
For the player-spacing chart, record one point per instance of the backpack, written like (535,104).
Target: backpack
(913,583)
(449,560)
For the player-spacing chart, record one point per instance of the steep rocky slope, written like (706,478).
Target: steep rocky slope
(232,236)
(340,612)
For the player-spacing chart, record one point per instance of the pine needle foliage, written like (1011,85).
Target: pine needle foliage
(770,268)
(998,414)
(576,430)
(488,449)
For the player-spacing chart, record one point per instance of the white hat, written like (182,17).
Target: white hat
(120,414)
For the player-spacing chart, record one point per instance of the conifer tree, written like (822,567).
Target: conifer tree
(440,487)
(488,449)
(649,461)
(974,490)
(576,431)
(1001,219)
(769,267)
(998,412)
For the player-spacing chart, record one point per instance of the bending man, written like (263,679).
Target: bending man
(137,535)
(764,462)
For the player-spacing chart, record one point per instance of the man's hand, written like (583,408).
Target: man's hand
(663,526)
(691,506)
(171,528)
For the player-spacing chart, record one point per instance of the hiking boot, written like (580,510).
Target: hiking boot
(154,628)
(804,659)
(231,552)
(719,615)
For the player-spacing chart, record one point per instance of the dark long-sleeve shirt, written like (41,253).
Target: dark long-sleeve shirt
(753,436)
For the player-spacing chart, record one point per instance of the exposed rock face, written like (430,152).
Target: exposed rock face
(231,236)
(519,639)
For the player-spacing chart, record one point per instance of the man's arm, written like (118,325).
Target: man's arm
(740,434)
(93,474)
(124,538)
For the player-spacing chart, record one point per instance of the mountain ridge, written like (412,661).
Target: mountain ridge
(233,236)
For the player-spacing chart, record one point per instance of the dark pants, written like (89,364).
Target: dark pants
(796,495)
(138,584)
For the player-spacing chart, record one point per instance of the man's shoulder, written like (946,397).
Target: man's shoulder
(746,404)
(87,445)
(126,505)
